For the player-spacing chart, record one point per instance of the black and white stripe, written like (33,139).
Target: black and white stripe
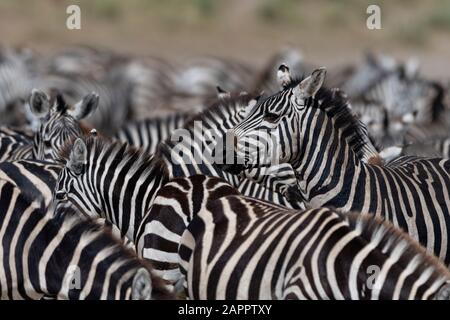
(59,123)
(148,133)
(238,247)
(58,255)
(411,192)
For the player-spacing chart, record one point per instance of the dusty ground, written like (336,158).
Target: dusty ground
(328,32)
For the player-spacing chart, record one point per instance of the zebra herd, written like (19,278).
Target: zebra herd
(118,179)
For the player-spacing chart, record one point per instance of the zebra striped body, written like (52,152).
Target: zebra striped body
(36,179)
(58,255)
(148,133)
(174,207)
(412,193)
(15,144)
(238,247)
(118,183)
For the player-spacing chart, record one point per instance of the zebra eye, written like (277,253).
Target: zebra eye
(271,117)
(47,144)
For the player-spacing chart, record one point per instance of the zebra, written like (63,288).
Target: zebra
(81,60)
(109,179)
(15,84)
(77,71)
(199,147)
(58,255)
(236,247)
(113,109)
(148,133)
(395,101)
(152,85)
(112,180)
(15,143)
(364,75)
(320,137)
(417,125)
(59,124)
(198,76)
(36,179)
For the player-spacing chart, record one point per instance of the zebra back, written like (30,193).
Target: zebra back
(238,247)
(148,133)
(36,179)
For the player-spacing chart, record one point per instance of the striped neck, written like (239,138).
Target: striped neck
(325,159)
(118,183)
(199,147)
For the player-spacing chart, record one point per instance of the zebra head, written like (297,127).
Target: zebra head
(59,123)
(271,131)
(71,185)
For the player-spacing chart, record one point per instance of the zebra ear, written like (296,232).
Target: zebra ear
(78,157)
(39,103)
(443,293)
(85,107)
(309,86)
(142,285)
(284,75)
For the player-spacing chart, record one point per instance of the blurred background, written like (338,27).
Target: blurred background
(327,32)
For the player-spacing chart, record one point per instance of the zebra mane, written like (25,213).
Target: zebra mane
(69,218)
(124,152)
(389,238)
(221,105)
(335,103)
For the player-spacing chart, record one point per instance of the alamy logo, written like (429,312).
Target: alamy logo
(373,21)
(73,21)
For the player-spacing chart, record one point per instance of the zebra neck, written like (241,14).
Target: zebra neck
(193,155)
(325,166)
(134,180)
(199,147)
(332,147)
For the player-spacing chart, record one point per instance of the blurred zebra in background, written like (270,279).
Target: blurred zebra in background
(59,124)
